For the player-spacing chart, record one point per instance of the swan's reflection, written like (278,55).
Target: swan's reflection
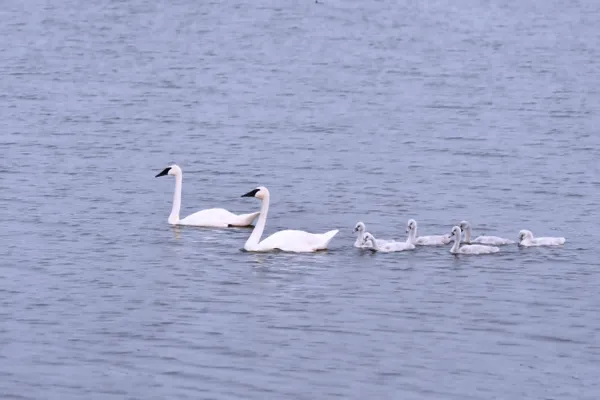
(177,231)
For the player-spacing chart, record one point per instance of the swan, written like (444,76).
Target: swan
(435,240)
(286,240)
(526,239)
(360,228)
(370,242)
(469,248)
(465,226)
(212,217)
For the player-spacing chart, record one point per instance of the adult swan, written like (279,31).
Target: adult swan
(212,217)
(286,240)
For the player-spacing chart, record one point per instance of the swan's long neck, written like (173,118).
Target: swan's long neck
(257,232)
(468,233)
(412,234)
(174,217)
(409,238)
(374,244)
(456,244)
(360,237)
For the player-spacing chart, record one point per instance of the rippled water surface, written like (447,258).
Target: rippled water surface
(377,111)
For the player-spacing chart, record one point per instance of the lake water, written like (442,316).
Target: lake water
(377,111)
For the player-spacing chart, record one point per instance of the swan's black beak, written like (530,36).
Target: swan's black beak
(251,193)
(163,172)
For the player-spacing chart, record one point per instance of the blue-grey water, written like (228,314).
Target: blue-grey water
(377,111)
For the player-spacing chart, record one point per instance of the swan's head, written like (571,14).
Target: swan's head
(525,234)
(411,225)
(171,170)
(260,193)
(360,227)
(368,239)
(455,234)
(464,225)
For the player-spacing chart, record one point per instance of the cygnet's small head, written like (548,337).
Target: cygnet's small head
(360,227)
(260,193)
(525,234)
(455,234)
(411,225)
(368,239)
(464,225)
(171,170)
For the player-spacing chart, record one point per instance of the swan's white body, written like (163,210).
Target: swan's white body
(370,242)
(360,228)
(287,240)
(526,239)
(465,226)
(217,218)
(433,240)
(212,217)
(469,248)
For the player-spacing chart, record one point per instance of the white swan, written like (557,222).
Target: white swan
(286,240)
(435,240)
(469,248)
(465,226)
(212,217)
(526,239)
(370,242)
(360,228)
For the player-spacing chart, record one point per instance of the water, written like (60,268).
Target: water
(347,111)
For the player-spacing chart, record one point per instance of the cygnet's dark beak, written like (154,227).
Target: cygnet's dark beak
(251,193)
(163,172)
